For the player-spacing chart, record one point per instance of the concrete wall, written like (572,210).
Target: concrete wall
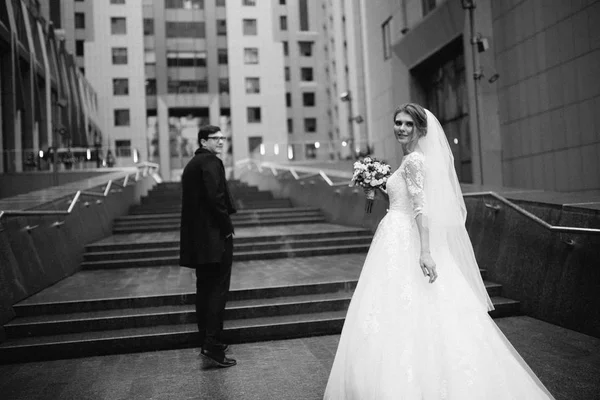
(554,281)
(25,182)
(35,260)
(548,57)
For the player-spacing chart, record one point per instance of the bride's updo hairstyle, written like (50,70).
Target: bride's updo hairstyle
(418,115)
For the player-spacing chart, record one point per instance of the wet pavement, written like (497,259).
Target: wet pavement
(568,363)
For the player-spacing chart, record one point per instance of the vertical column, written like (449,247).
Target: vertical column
(162,109)
(212,64)
(8,110)
(1,121)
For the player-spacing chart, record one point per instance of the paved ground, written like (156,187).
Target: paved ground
(567,362)
(153,281)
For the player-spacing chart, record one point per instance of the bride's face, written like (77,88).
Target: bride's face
(404,128)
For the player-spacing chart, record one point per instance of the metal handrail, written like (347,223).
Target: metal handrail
(311,172)
(107,190)
(496,208)
(534,218)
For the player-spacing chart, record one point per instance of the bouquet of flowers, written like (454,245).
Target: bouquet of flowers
(370,174)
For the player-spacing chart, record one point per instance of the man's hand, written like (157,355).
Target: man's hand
(428,267)
(228,236)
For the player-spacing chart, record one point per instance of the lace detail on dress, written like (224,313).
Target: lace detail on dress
(413,173)
(371,323)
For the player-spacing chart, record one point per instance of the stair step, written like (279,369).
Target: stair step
(176,336)
(71,307)
(236,240)
(241,213)
(166,337)
(234,218)
(173,251)
(238,256)
(239,224)
(112,319)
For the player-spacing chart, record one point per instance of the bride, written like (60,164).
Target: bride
(417,326)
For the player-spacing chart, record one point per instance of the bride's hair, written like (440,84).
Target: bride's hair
(418,115)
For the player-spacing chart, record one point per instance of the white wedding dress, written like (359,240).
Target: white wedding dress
(405,338)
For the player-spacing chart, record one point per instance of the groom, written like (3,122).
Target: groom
(207,239)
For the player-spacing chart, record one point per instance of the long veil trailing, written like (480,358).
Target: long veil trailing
(444,212)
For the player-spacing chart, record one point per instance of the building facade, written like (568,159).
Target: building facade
(344,77)
(297,30)
(47,107)
(257,87)
(113,61)
(511,83)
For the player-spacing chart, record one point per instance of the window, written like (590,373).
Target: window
(150,87)
(308,99)
(221,27)
(79,20)
(185,4)
(387,38)
(287,74)
(250,55)
(282,2)
(286,48)
(223,85)
(123,148)
(303,15)
(222,55)
(252,85)
(306,74)
(186,59)
(288,99)
(310,125)
(249,2)
(187,86)
(290,125)
(122,117)
(283,23)
(249,27)
(148,26)
(79,47)
(305,48)
(149,58)
(117,1)
(185,29)
(310,150)
(220,3)
(120,86)
(118,26)
(119,55)
(253,114)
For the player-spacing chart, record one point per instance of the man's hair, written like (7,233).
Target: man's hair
(206,130)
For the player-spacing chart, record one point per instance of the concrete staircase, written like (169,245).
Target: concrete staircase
(79,324)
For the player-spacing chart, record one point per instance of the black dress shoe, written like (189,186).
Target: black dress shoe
(218,358)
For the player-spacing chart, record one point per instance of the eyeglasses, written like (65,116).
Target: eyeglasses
(221,138)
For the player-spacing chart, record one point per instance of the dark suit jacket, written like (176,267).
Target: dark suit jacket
(206,206)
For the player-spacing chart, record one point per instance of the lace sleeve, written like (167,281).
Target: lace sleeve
(415,180)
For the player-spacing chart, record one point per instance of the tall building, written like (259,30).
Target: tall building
(343,65)
(512,83)
(106,38)
(114,64)
(46,105)
(257,88)
(297,25)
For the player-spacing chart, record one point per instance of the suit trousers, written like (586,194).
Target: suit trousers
(212,288)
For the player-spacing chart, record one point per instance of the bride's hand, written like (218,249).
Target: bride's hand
(428,267)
